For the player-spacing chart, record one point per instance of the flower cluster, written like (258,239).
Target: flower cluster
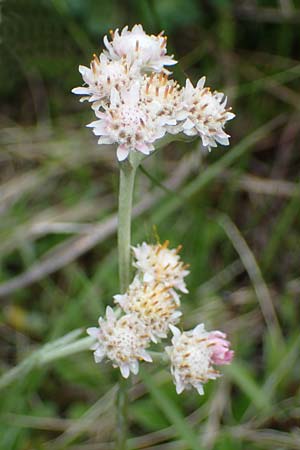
(193,354)
(136,103)
(148,310)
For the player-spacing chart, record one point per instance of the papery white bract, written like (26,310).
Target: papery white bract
(162,264)
(128,123)
(155,305)
(123,341)
(149,52)
(205,114)
(193,354)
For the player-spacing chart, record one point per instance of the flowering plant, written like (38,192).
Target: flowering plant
(138,108)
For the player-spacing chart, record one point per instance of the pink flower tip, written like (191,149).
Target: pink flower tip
(221,353)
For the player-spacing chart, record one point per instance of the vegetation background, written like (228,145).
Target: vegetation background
(235,210)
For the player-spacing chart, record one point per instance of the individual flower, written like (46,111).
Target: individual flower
(123,341)
(128,123)
(154,304)
(150,52)
(162,96)
(205,114)
(193,354)
(103,75)
(162,264)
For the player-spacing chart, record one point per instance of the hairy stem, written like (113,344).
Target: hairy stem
(127,176)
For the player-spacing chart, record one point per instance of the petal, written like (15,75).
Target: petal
(93,331)
(125,371)
(201,83)
(114,97)
(145,355)
(110,315)
(134,366)
(176,332)
(199,329)
(122,152)
(200,389)
(81,90)
(179,387)
(99,354)
(105,140)
(148,277)
(188,124)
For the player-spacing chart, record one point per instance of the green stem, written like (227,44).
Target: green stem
(122,405)
(127,176)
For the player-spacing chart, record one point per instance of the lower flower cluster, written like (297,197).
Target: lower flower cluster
(147,312)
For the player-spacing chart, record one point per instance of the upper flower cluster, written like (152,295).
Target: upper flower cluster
(136,103)
(150,308)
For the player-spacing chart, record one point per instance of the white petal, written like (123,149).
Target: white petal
(122,152)
(105,140)
(176,332)
(148,277)
(84,70)
(134,366)
(145,355)
(200,389)
(110,315)
(81,91)
(99,355)
(93,331)
(188,124)
(125,371)
(199,329)
(188,84)
(179,387)
(119,298)
(201,83)
(114,98)
(93,124)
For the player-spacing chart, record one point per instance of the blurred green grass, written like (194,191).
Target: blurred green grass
(236,211)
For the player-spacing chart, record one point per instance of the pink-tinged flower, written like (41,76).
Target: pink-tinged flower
(103,75)
(204,113)
(129,123)
(193,354)
(123,341)
(149,52)
(221,354)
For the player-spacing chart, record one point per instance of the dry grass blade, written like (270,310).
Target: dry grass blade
(253,270)
(89,421)
(217,407)
(258,185)
(268,437)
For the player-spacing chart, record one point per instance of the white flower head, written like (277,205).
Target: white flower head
(128,123)
(205,114)
(155,305)
(193,354)
(123,341)
(103,75)
(162,264)
(150,52)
